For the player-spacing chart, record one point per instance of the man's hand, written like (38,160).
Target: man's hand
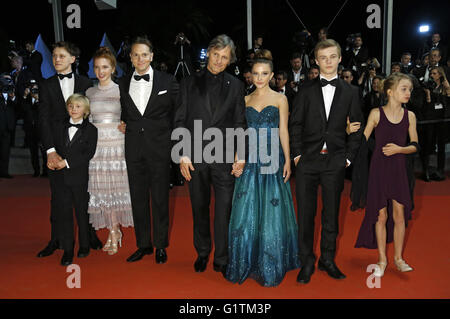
(60,165)
(186,167)
(238,168)
(122,127)
(52,160)
(352,127)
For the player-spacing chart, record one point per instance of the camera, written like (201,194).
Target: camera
(9,89)
(430,85)
(34,91)
(181,39)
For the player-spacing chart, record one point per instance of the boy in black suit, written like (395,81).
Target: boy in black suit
(76,143)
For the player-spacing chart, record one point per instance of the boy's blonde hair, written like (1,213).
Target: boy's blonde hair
(76,97)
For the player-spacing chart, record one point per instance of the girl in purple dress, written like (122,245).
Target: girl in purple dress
(389,201)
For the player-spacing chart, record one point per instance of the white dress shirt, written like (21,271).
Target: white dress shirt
(328,95)
(72,131)
(140,90)
(67,86)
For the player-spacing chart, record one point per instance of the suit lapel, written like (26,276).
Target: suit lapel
(321,101)
(57,89)
(336,97)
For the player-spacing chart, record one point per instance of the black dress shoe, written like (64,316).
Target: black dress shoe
(67,258)
(220,268)
(304,276)
(50,249)
(331,269)
(200,264)
(94,242)
(141,252)
(83,252)
(160,255)
(437,176)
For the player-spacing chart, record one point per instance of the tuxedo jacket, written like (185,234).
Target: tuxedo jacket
(351,59)
(77,152)
(53,106)
(194,104)
(34,62)
(309,127)
(7,116)
(291,77)
(156,122)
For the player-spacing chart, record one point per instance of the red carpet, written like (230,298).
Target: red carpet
(25,229)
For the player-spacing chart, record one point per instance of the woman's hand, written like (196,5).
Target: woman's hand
(391,149)
(122,127)
(287,171)
(352,127)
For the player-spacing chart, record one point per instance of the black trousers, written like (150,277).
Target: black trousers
(432,135)
(5,150)
(67,198)
(149,179)
(219,176)
(329,174)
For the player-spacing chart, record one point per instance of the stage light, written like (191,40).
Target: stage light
(424,28)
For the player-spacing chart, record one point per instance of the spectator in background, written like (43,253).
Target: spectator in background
(396,67)
(297,74)
(33,60)
(419,71)
(257,43)
(435,60)
(313,72)
(30,119)
(405,63)
(249,86)
(357,55)
(374,98)
(437,100)
(323,34)
(7,122)
(436,43)
(281,79)
(366,79)
(347,76)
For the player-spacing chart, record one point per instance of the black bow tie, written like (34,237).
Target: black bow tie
(62,76)
(325,82)
(146,77)
(68,125)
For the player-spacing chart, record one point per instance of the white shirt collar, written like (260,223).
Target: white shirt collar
(72,122)
(322,77)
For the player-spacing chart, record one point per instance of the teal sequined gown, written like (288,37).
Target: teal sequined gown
(263,228)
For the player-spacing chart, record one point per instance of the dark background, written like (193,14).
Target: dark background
(202,20)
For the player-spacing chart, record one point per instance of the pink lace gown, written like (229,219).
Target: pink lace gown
(109,202)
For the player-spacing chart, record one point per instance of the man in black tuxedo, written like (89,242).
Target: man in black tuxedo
(297,74)
(356,55)
(54,93)
(248,80)
(216,100)
(322,150)
(148,99)
(33,60)
(7,122)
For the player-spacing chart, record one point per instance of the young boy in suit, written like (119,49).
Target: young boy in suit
(76,143)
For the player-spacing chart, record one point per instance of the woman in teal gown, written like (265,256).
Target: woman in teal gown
(263,233)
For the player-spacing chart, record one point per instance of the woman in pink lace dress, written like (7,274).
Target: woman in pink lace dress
(109,204)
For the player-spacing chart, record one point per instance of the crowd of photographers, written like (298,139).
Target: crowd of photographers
(429,99)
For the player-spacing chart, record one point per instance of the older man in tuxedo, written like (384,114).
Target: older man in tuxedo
(216,99)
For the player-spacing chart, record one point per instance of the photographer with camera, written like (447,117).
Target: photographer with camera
(297,74)
(355,56)
(367,75)
(437,93)
(30,107)
(7,122)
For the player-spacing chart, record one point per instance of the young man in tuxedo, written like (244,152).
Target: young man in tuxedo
(216,99)
(148,99)
(75,143)
(322,150)
(54,93)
